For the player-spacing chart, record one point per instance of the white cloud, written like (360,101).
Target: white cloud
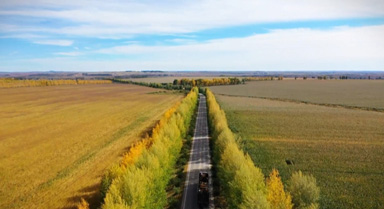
(23,36)
(342,48)
(121,19)
(295,49)
(68,53)
(54,42)
(289,48)
(182,41)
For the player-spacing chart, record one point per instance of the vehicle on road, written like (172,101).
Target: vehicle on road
(203,190)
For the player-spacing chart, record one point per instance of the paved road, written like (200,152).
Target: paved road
(200,159)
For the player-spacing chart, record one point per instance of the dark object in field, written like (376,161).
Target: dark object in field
(203,190)
(290,162)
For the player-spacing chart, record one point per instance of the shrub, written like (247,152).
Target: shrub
(304,191)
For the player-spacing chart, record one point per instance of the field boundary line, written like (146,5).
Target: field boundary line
(372,109)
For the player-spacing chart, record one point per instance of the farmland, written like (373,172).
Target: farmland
(359,93)
(341,147)
(56,142)
(12,83)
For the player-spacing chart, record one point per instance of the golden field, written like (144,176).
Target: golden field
(57,141)
(12,83)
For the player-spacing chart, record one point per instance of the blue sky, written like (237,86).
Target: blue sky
(276,35)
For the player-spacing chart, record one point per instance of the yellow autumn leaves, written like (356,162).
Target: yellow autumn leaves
(139,181)
(276,195)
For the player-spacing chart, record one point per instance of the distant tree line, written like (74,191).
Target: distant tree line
(168,86)
(242,184)
(11,82)
(267,78)
(185,84)
(207,82)
(140,179)
(345,77)
(320,77)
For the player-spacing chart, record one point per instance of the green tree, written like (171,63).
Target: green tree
(305,193)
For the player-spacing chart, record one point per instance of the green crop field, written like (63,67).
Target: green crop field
(359,93)
(56,142)
(343,148)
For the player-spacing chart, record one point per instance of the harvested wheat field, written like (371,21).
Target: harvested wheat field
(57,141)
(366,94)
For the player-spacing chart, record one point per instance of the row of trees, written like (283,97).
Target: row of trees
(242,184)
(207,82)
(140,179)
(168,86)
(269,78)
(184,83)
(10,82)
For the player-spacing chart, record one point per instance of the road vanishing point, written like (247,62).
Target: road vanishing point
(199,160)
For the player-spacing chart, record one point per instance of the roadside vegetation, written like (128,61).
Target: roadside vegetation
(56,142)
(11,82)
(241,184)
(176,185)
(141,178)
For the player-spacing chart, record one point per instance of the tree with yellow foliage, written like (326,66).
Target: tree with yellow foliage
(277,197)
(130,157)
(83,204)
(242,183)
(140,180)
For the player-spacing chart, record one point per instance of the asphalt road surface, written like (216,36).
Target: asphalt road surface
(199,161)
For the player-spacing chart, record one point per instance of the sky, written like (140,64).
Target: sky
(216,35)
